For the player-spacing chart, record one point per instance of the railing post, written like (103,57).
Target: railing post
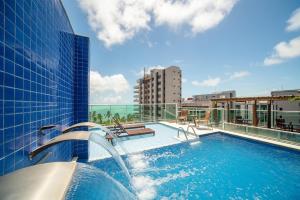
(126,114)
(140,112)
(176,114)
(165,114)
(254,113)
(110,114)
(269,114)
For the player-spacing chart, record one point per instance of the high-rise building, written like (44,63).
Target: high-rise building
(159,87)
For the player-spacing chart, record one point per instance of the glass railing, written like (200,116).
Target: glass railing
(284,126)
(273,134)
(103,114)
(216,116)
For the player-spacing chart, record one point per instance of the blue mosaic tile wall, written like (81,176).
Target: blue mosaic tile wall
(81,79)
(81,90)
(38,70)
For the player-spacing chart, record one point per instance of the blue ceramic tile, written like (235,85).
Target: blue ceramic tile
(9,147)
(39,57)
(1,34)
(9,66)
(9,163)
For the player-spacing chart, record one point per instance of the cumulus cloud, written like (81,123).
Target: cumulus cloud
(239,75)
(294,21)
(147,70)
(210,82)
(107,89)
(284,51)
(116,21)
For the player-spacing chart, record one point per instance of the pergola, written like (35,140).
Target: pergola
(254,100)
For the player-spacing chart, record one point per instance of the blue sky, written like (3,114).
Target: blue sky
(251,46)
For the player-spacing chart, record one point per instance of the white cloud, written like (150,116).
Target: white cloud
(210,82)
(199,15)
(184,80)
(239,75)
(107,89)
(110,99)
(116,21)
(147,70)
(284,51)
(294,21)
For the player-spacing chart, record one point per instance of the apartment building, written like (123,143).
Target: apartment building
(158,90)
(204,100)
(160,86)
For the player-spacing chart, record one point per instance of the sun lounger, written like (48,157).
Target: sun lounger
(120,127)
(128,126)
(133,132)
(124,132)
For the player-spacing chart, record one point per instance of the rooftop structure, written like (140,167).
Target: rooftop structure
(204,100)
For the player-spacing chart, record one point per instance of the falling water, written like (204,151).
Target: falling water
(91,183)
(100,140)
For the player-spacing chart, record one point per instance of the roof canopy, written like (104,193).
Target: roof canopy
(262,98)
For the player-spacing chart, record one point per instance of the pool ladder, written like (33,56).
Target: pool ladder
(186,132)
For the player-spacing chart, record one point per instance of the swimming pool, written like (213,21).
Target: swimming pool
(164,136)
(218,167)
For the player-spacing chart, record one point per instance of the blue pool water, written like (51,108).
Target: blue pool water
(219,167)
(91,183)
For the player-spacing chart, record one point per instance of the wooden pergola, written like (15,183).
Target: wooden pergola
(254,100)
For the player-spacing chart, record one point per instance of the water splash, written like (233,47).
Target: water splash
(145,185)
(92,183)
(100,140)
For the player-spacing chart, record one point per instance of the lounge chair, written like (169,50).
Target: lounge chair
(121,131)
(280,124)
(183,117)
(239,120)
(118,127)
(132,132)
(205,121)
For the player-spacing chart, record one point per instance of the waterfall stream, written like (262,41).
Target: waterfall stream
(100,140)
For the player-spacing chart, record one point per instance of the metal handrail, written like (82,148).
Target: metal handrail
(194,132)
(186,132)
(179,129)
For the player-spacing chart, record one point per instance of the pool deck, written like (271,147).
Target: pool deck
(202,132)
(139,144)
